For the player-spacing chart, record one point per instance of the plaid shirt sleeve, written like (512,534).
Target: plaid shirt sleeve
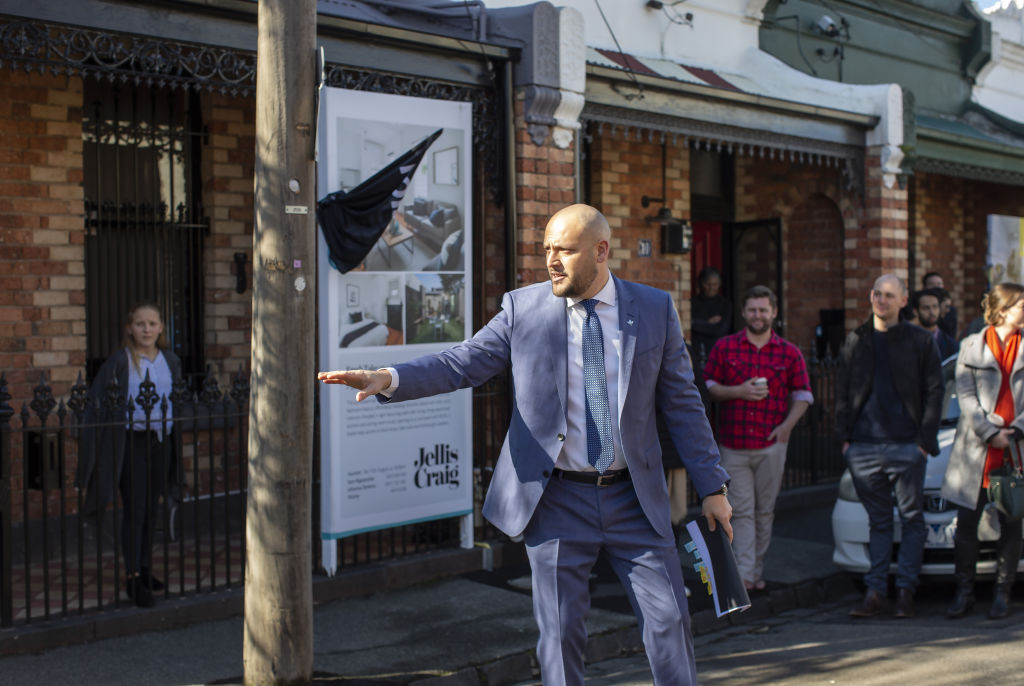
(714,367)
(798,378)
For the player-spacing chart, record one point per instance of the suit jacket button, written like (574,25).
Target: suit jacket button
(546,473)
(561,437)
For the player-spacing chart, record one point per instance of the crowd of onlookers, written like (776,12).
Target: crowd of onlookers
(889,397)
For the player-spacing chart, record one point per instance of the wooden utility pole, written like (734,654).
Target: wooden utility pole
(278,643)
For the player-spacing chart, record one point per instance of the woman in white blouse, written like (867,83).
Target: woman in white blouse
(139,457)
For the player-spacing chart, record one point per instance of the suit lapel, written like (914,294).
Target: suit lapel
(556,324)
(628,326)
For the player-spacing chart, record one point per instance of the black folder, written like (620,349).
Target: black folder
(712,558)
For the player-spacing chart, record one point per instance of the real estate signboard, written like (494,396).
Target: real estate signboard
(384,465)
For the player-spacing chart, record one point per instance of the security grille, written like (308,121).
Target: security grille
(144,220)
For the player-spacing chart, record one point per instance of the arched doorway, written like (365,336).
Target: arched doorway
(814,274)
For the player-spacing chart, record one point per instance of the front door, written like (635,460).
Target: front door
(706,252)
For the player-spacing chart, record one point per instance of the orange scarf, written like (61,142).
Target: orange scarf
(1005,357)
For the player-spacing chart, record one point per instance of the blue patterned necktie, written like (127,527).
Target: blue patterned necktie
(600,451)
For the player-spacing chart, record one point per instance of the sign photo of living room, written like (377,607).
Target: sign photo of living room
(426,231)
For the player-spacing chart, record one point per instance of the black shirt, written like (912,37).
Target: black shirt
(883,419)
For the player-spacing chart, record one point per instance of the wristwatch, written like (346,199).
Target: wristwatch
(724,490)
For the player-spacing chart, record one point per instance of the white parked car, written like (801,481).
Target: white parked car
(850,520)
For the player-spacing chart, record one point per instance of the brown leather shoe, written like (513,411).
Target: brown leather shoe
(905,603)
(873,604)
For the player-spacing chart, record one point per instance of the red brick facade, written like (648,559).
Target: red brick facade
(623,169)
(42,282)
(950,233)
(817,214)
(228,160)
(545,182)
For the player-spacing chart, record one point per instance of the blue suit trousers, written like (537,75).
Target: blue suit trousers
(573,523)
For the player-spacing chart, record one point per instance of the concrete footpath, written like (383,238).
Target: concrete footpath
(475,628)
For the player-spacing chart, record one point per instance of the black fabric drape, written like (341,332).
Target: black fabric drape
(352,221)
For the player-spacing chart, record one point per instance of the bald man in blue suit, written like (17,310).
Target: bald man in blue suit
(580,470)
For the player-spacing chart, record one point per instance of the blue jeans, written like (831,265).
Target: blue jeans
(882,472)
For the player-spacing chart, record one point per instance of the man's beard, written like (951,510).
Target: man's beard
(576,285)
(759,329)
(927,323)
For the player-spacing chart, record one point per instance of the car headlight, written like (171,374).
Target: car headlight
(846,488)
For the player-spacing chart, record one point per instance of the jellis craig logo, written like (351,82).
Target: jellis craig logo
(437,468)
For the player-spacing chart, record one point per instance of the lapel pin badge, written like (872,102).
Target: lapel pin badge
(630,322)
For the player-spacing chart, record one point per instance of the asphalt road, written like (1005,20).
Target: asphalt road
(824,646)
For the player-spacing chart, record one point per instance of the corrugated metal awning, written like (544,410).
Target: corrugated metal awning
(640,96)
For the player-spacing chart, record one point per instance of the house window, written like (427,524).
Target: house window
(144,220)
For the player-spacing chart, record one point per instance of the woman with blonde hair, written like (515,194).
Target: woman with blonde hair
(135,454)
(990,390)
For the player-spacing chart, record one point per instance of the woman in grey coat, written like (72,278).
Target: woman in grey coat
(137,457)
(990,389)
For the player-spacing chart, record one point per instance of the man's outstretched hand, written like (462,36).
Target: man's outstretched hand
(369,383)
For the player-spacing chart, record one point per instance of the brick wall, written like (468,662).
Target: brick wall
(545,183)
(879,244)
(624,168)
(42,282)
(950,233)
(228,160)
(980,200)
(814,255)
(816,214)
(42,268)
(937,232)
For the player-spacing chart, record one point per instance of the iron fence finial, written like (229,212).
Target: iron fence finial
(43,401)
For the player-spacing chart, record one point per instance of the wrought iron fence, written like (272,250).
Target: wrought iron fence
(59,557)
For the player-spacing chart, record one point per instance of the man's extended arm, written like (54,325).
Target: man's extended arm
(678,398)
(469,363)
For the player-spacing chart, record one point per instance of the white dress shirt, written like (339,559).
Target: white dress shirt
(573,457)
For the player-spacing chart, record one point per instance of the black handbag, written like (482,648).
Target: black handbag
(1006,486)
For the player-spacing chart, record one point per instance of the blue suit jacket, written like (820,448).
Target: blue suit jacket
(531,333)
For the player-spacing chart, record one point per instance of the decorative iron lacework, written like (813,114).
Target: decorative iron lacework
(640,125)
(57,49)
(43,47)
(968,171)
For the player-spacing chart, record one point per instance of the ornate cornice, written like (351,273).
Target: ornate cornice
(58,49)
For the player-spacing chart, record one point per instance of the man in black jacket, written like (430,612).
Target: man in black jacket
(888,406)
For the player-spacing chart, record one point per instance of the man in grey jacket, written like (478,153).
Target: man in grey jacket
(888,406)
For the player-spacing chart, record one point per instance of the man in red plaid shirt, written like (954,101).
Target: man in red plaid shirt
(760,382)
